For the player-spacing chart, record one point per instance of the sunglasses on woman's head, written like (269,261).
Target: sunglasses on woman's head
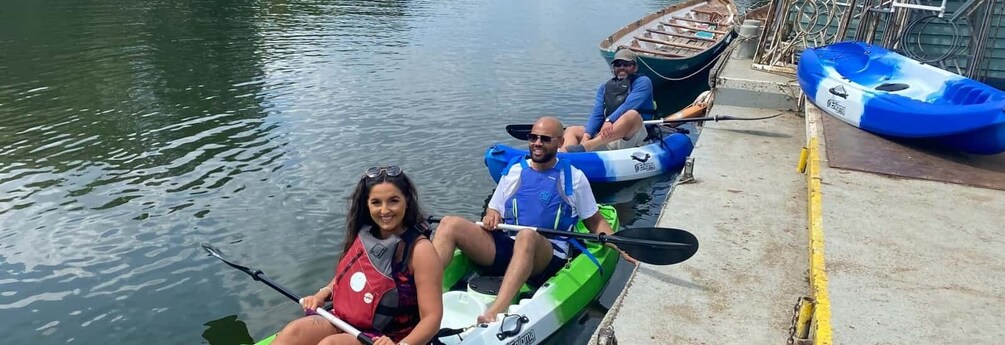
(623,63)
(391,171)
(534,137)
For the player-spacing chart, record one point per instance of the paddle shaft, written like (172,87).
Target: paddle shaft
(716,118)
(520,131)
(657,246)
(690,119)
(602,238)
(260,276)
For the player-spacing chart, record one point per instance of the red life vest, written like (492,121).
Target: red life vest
(365,294)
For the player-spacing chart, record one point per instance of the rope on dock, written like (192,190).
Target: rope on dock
(713,74)
(718,57)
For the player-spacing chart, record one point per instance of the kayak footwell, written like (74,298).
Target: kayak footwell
(852,148)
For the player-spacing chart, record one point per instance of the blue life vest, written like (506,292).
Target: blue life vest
(539,202)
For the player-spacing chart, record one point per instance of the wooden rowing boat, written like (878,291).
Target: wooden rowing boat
(677,41)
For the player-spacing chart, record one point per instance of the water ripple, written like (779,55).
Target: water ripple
(132,131)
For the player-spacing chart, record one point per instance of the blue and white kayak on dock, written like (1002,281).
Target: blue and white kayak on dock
(892,95)
(652,159)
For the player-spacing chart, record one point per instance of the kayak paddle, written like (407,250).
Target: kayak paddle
(520,131)
(260,276)
(655,246)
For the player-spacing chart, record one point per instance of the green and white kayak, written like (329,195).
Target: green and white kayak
(268,340)
(535,314)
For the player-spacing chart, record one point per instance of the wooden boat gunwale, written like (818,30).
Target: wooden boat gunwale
(625,37)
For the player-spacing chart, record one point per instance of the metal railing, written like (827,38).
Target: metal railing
(965,36)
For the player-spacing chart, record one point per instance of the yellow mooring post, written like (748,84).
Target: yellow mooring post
(805,153)
(805,318)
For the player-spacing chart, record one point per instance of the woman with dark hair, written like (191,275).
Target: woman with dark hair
(388,280)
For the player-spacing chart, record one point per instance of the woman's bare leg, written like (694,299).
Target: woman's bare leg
(339,339)
(307,330)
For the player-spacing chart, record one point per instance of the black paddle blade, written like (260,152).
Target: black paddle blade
(519,132)
(213,251)
(680,245)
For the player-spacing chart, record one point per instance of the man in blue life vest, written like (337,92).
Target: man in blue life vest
(540,192)
(622,103)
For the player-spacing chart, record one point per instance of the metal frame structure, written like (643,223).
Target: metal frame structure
(793,25)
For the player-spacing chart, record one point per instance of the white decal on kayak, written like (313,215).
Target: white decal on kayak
(357,281)
(839,91)
(835,105)
(368,298)
(641,156)
(839,98)
(525,339)
(645,166)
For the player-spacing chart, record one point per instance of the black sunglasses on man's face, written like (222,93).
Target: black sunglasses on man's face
(534,137)
(623,63)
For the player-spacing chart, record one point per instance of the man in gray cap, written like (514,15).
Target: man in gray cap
(621,104)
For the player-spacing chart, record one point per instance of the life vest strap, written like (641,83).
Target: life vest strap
(580,247)
(347,267)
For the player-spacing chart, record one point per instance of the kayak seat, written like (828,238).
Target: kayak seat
(963,93)
(653,133)
(526,292)
(983,97)
(656,133)
(486,285)
(489,286)
(977,97)
(956,92)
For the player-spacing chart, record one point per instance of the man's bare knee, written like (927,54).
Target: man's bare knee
(526,234)
(526,238)
(629,123)
(535,245)
(450,226)
(630,116)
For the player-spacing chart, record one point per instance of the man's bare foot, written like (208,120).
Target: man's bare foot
(575,148)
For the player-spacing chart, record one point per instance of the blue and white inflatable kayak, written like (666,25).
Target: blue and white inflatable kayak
(609,166)
(889,94)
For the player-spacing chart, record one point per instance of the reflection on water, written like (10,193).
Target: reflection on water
(227,331)
(131,131)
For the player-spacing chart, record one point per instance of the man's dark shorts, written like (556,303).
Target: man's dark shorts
(504,252)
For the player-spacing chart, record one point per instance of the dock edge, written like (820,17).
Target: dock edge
(817,272)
